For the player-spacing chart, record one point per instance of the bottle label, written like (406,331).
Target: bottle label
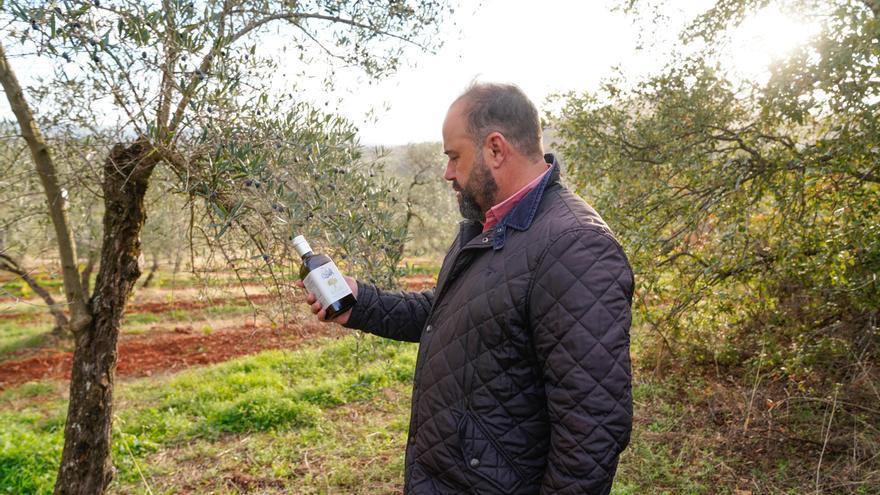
(327,284)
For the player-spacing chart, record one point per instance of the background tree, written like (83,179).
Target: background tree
(179,76)
(738,199)
(428,208)
(165,231)
(751,211)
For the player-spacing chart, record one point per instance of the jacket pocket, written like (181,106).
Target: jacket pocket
(484,457)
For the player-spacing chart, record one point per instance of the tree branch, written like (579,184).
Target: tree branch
(254,24)
(353,23)
(219,43)
(56,202)
(7,263)
(167,84)
(866,176)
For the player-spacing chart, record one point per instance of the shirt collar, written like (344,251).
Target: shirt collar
(497,212)
(520,217)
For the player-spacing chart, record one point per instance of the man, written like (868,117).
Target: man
(522,382)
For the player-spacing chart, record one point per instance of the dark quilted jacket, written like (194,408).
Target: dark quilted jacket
(522,383)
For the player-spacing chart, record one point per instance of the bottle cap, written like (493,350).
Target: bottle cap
(301,245)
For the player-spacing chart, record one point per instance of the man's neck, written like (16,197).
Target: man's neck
(527,174)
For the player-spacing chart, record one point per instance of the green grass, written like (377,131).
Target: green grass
(651,466)
(314,420)
(30,447)
(15,334)
(166,280)
(417,269)
(662,457)
(229,310)
(352,448)
(331,417)
(276,391)
(20,288)
(31,330)
(161,280)
(26,391)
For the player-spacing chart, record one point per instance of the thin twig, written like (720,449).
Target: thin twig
(754,389)
(827,435)
(842,403)
(133,459)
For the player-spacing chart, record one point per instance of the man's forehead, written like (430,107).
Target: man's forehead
(457,109)
(455,125)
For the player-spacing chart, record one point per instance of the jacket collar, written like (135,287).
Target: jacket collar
(520,217)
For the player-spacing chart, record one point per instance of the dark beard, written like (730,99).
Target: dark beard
(481,189)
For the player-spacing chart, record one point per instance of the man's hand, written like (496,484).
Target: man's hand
(318,310)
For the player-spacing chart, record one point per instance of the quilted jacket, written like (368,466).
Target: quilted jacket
(522,382)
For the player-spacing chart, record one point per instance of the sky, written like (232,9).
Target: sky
(547,47)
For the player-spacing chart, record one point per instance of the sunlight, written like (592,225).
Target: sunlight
(767,37)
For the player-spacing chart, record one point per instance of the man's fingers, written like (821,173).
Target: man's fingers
(313,302)
(300,284)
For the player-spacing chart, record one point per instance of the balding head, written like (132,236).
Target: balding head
(503,108)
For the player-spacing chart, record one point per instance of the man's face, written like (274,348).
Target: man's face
(475,187)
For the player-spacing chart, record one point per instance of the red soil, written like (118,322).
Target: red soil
(161,307)
(410,282)
(419,282)
(159,352)
(187,304)
(171,351)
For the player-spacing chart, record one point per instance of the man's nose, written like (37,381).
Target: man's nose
(450,172)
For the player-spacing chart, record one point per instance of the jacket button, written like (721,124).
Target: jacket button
(428,328)
(485,239)
(475,462)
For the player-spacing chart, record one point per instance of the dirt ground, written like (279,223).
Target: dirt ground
(159,307)
(176,348)
(168,351)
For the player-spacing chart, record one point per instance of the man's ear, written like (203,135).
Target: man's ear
(497,149)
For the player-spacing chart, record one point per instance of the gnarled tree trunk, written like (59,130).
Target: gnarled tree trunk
(86,466)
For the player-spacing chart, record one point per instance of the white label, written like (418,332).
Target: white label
(327,284)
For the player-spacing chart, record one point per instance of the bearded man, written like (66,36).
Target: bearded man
(523,382)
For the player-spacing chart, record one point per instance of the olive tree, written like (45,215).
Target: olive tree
(168,80)
(751,211)
(430,208)
(748,205)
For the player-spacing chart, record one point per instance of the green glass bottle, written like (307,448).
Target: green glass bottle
(322,278)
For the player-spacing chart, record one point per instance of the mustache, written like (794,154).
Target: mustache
(455,186)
